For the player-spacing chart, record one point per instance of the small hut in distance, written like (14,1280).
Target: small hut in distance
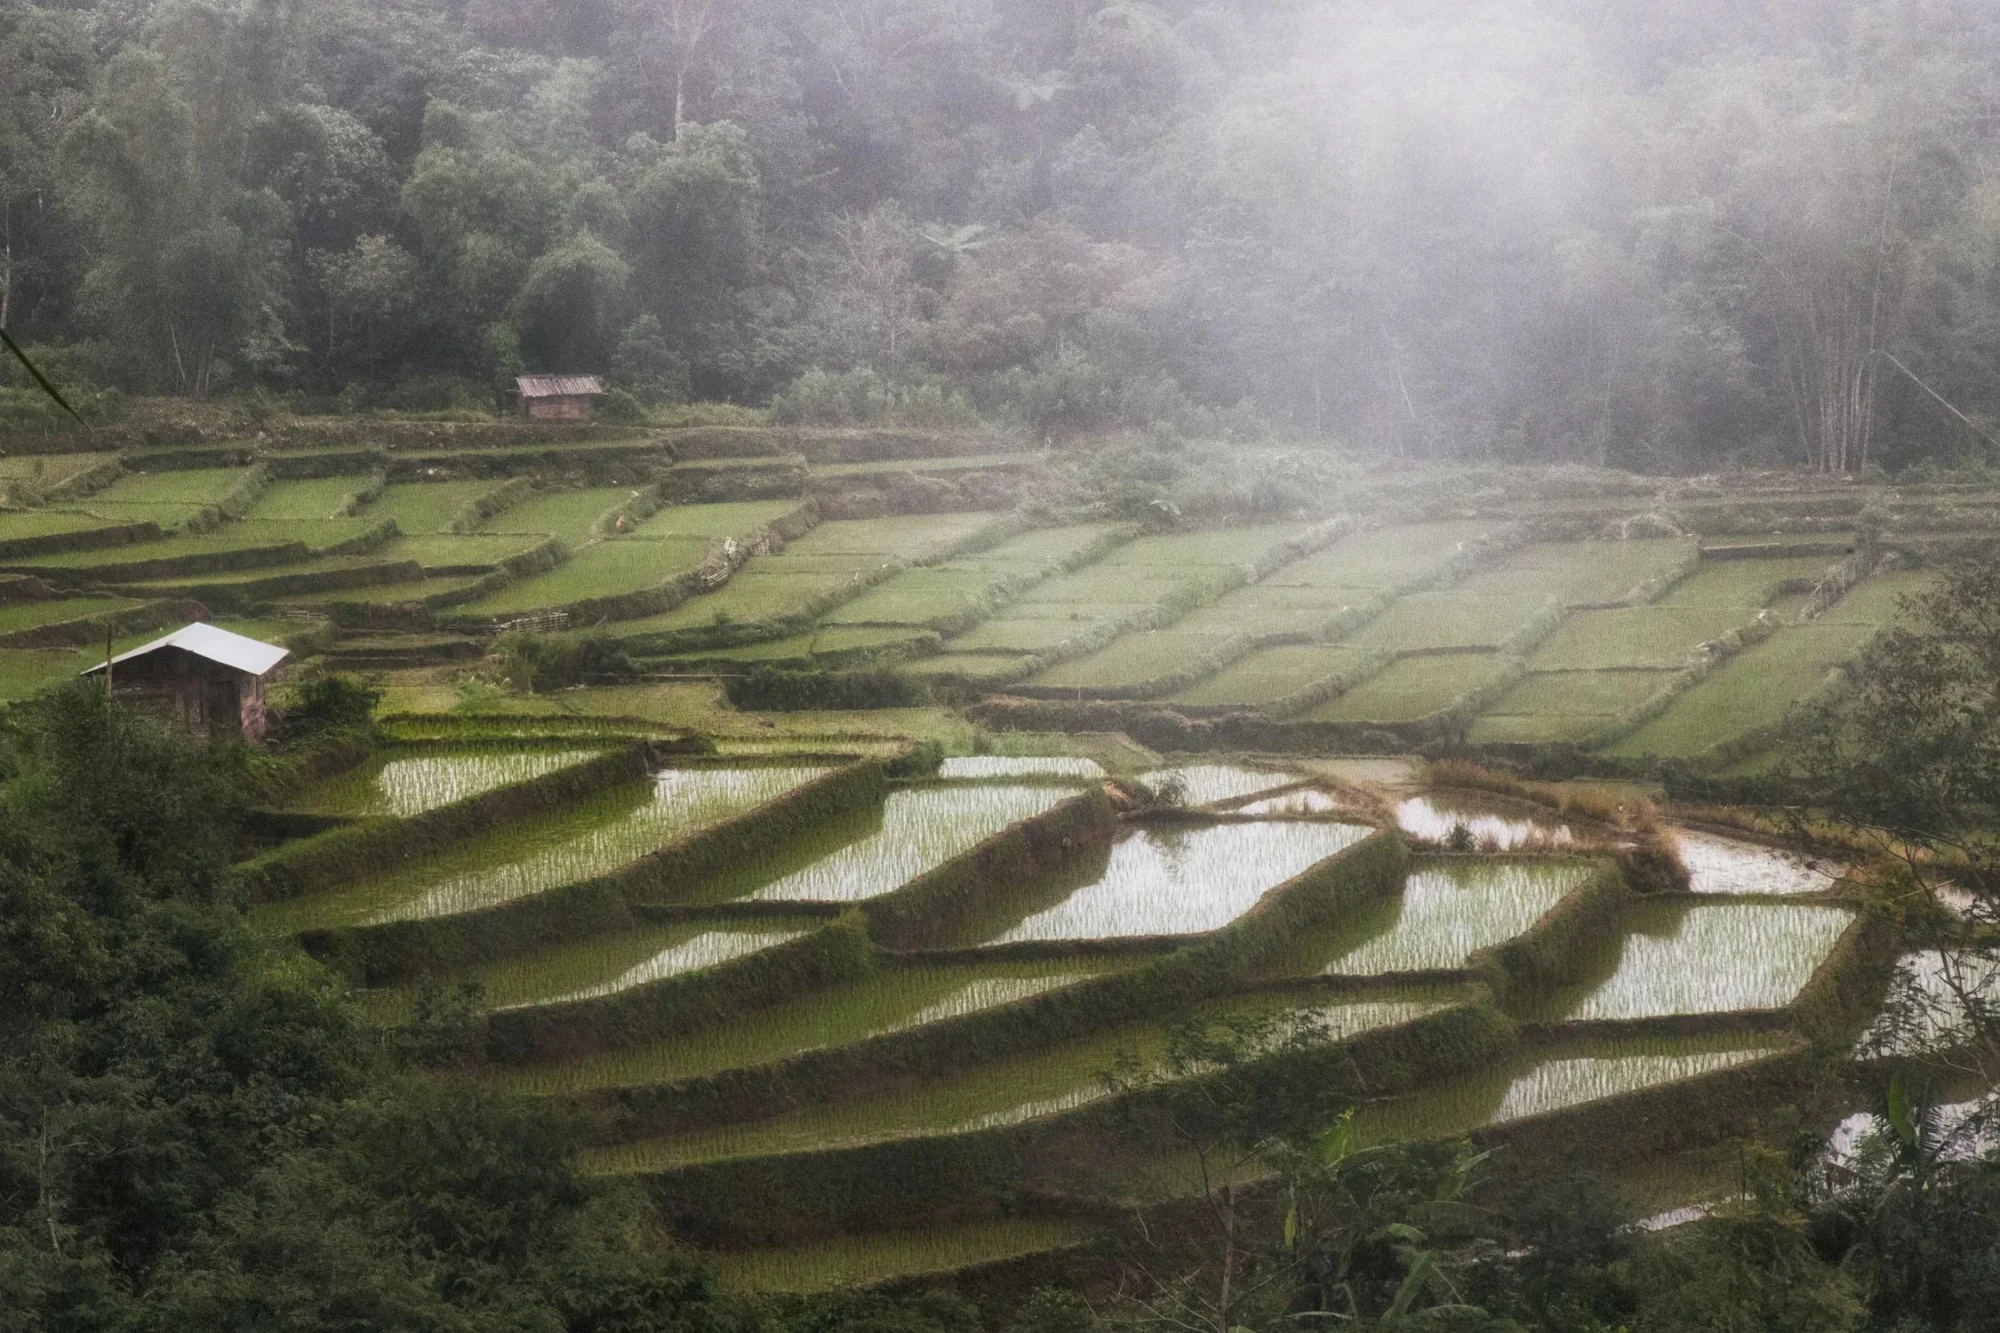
(210,679)
(558,397)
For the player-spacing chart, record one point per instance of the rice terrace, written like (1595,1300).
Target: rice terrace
(872,973)
(999,666)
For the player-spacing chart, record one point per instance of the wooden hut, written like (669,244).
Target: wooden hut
(210,679)
(558,397)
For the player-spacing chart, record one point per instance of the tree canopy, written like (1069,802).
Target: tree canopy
(1654,237)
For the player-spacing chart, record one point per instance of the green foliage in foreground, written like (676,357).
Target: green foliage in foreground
(194,1130)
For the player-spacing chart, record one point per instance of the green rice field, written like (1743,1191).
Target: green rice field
(1019,631)
(847,1261)
(1744,584)
(918,597)
(1133,660)
(1413,688)
(714,521)
(1168,880)
(1003,1092)
(422,507)
(307,501)
(533,856)
(895,999)
(602,965)
(224,542)
(16,616)
(1633,639)
(913,537)
(978,668)
(1753,689)
(193,487)
(401,784)
(1581,573)
(1428,622)
(570,515)
(829,641)
(1270,674)
(1446,912)
(20,524)
(604,569)
(456,551)
(1385,559)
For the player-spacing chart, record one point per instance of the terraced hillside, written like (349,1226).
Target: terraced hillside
(1528,618)
(798,995)
(850,1013)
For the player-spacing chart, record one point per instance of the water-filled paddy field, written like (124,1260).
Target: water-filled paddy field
(894,1000)
(1492,630)
(1170,879)
(536,855)
(1447,910)
(604,964)
(1004,1092)
(1705,958)
(1538,1082)
(918,830)
(401,783)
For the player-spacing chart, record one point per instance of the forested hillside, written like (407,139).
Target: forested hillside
(1650,236)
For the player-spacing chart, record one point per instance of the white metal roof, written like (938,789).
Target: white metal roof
(217,645)
(558,386)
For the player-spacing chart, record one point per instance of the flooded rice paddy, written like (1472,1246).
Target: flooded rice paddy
(1538,1083)
(895,1000)
(991,1096)
(1492,825)
(603,965)
(920,829)
(1030,766)
(537,855)
(1447,911)
(1183,880)
(1703,958)
(404,784)
(1204,784)
(1304,801)
(1928,1009)
(1729,865)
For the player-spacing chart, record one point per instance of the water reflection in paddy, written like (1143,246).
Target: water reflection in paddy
(1203,784)
(1169,879)
(531,857)
(1536,1084)
(1726,865)
(1700,958)
(1031,766)
(1447,910)
(1492,825)
(401,784)
(921,828)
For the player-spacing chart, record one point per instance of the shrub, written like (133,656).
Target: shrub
(777,690)
(620,408)
(535,662)
(329,705)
